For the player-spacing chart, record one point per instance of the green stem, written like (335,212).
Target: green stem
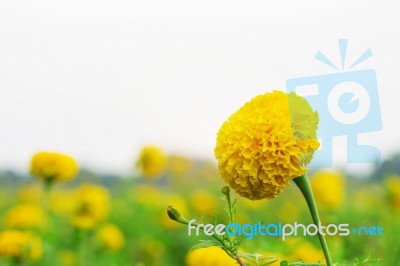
(303,184)
(239,260)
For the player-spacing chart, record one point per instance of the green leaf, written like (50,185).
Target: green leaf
(206,244)
(300,263)
(364,260)
(258,259)
(268,263)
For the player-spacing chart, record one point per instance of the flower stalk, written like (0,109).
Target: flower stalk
(304,185)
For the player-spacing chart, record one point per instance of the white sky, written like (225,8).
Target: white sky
(98,79)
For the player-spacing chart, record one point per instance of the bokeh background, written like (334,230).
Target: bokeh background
(100,80)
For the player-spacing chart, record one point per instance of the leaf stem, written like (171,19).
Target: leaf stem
(303,184)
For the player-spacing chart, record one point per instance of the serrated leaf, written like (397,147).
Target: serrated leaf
(300,263)
(268,263)
(364,260)
(205,244)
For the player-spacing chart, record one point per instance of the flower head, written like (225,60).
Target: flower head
(151,162)
(19,245)
(110,237)
(52,166)
(92,206)
(266,143)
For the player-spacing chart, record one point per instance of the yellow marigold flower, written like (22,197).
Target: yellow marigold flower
(151,162)
(328,188)
(25,216)
(393,188)
(203,202)
(211,256)
(92,206)
(110,237)
(52,166)
(19,245)
(267,143)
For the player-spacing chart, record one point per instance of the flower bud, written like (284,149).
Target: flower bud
(174,215)
(226,190)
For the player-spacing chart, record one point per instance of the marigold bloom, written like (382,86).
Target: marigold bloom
(151,162)
(52,166)
(110,237)
(328,187)
(92,206)
(19,245)
(211,256)
(25,216)
(267,143)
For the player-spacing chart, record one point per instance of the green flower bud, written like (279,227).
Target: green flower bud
(226,190)
(174,215)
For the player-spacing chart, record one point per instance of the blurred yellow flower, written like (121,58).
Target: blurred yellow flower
(328,188)
(307,252)
(203,202)
(211,256)
(25,216)
(151,162)
(110,237)
(52,166)
(267,143)
(92,206)
(19,245)
(393,188)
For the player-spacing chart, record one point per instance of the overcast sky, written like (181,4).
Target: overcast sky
(99,79)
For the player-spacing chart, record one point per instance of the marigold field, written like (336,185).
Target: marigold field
(93,219)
